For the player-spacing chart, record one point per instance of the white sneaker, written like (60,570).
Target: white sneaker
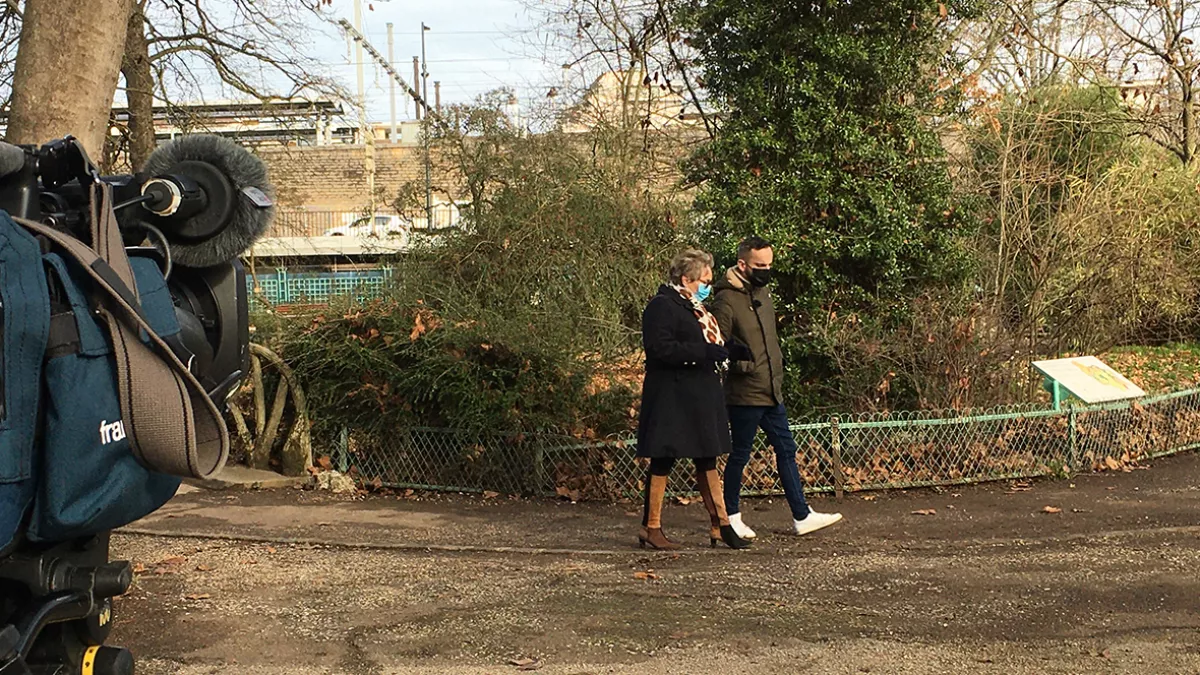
(815,521)
(743,530)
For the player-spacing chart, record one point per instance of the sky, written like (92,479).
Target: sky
(473,46)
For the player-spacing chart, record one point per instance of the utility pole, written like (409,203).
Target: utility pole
(425,97)
(412,91)
(358,62)
(365,133)
(392,83)
(416,79)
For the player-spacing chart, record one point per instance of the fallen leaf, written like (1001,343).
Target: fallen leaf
(925,512)
(488,494)
(197,596)
(249,562)
(418,328)
(869,498)
(172,560)
(203,568)
(678,635)
(683,501)
(271,549)
(1111,463)
(325,463)
(139,568)
(1051,509)
(646,576)
(521,662)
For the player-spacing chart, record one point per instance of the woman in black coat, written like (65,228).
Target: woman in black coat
(683,411)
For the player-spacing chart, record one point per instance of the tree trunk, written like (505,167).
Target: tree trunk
(139,90)
(68,60)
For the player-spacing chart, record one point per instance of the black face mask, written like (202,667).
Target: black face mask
(760,277)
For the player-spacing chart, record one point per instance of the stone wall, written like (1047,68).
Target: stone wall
(334,177)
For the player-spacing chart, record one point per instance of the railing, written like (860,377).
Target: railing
(288,287)
(855,452)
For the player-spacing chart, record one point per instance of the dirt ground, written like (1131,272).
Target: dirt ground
(294,582)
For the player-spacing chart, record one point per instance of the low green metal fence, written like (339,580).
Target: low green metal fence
(275,287)
(855,452)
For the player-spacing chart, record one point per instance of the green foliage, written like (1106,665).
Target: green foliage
(826,147)
(527,318)
(1088,238)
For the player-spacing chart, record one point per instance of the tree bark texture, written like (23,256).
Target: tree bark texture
(139,90)
(68,60)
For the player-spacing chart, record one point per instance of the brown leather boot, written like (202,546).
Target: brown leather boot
(652,534)
(709,484)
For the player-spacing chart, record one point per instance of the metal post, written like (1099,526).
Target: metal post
(1073,442)
(839,477)
(285,295)
(392,88)
(437,96)
(416,79)
(425,96)
(342,448)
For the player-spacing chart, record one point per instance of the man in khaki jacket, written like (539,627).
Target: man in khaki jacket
(754,389)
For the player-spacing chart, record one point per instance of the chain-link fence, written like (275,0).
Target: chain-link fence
(858,452)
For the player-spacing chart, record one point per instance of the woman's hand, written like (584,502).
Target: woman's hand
(739,352)
(716,353)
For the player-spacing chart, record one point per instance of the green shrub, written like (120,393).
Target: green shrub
(528,318)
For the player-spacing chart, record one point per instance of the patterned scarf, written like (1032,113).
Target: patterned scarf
(708,322)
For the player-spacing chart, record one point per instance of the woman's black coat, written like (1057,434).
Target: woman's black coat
(683,405)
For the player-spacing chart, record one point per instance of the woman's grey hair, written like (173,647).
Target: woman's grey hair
(691,264)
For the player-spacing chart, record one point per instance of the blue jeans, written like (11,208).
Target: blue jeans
(745,421)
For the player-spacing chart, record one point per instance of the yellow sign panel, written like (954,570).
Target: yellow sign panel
(1089,379)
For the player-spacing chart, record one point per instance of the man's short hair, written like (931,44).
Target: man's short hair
(749,244)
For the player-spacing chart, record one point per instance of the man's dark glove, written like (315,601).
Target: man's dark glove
(716,353)
(739,352)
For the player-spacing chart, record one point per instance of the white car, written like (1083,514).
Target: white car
(380,225)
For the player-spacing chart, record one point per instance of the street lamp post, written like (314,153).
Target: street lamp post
(425,97)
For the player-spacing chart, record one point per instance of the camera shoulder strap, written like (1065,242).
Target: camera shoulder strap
(172,424)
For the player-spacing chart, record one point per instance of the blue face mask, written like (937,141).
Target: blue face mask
(703,292)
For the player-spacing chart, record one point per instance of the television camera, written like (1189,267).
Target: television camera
(196,206)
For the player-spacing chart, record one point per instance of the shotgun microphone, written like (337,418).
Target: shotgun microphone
(209,197)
